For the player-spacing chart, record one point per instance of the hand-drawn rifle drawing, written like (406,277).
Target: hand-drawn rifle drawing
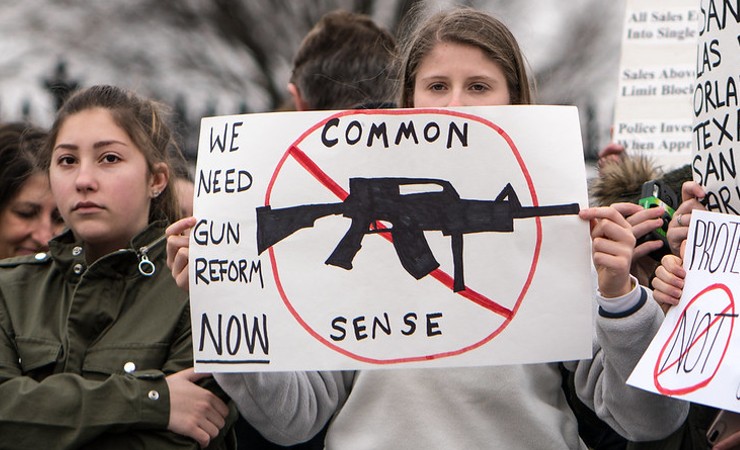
(374,200)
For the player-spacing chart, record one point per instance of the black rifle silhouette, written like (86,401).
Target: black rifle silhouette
(380,199)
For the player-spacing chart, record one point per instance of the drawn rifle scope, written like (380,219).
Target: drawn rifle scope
(373,203)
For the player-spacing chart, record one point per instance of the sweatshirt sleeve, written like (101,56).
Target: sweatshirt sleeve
(287,407)
(620,341)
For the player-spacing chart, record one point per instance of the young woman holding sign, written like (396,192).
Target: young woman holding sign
(458,58)
(95,347)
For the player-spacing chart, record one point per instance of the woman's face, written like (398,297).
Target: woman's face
(30,219)
(101,182)
(459,75)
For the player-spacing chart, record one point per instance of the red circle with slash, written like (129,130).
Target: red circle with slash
(469,294)
(661,373)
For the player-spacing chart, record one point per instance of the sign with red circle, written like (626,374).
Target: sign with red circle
(398,237)
(692,355)
(698,344)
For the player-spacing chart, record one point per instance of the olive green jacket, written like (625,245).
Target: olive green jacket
(84,350)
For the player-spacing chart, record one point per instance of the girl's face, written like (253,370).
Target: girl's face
(101,182)
(30,219)
(459,75)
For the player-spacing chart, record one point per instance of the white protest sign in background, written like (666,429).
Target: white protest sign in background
(694,354)
(716,107)
(652,113)
(375,239)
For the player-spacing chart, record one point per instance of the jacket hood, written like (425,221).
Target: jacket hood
(622,180)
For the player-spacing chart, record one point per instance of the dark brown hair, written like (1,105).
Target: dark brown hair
(20,144)
(345,61)
(144,122)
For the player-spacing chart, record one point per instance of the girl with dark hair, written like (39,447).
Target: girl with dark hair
(95,342)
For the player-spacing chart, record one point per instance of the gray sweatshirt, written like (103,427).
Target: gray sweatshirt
(500,407)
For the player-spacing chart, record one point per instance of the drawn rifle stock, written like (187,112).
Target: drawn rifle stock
(274,225)
(373,200)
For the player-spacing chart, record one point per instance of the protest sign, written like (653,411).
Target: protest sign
(390,238)
(694,354)
(652,113)
(715,106)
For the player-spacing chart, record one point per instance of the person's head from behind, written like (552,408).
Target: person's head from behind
(107,157)
(345,61)
(462,57)
(28,214)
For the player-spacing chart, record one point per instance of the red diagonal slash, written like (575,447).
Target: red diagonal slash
(312,168)
(683,354)
(438,274)
(692,385)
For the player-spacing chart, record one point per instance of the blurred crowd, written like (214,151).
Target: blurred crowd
(95,339)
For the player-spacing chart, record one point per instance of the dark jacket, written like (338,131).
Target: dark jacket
(84,351)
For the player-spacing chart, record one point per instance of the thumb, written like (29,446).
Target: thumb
(180,226)
(682,251)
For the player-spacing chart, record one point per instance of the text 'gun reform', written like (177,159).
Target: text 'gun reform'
(373,200)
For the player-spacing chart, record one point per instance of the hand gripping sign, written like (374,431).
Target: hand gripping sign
(693,356)
(376,239)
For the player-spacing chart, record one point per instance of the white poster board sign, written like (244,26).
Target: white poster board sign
(652,113)
(377,239)
(694,356)
(716,105)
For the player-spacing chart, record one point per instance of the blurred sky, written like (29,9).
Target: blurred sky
(138,46)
